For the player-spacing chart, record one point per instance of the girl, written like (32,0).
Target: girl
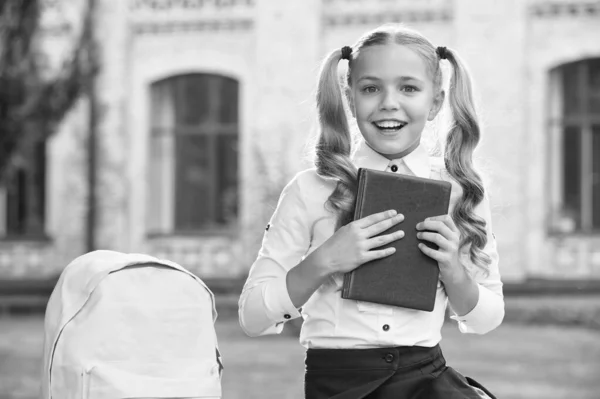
(364,350)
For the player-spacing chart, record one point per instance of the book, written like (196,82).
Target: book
(408,278)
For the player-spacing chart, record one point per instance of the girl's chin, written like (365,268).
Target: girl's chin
(388,135)
(393,150)
(397,139)
(387,148)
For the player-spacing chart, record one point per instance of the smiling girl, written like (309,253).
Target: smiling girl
(363,350)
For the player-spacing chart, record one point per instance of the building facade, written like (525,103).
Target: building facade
(207,107)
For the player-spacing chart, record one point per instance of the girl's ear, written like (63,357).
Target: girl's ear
(438,101)
(348,93)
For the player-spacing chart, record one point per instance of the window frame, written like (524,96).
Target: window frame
(211,129)
(31,163)
(585,121)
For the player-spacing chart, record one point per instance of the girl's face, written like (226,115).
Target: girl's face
(392,97)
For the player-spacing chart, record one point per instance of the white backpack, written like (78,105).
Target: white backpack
(130,326)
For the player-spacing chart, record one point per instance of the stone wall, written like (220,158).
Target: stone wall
(273,49)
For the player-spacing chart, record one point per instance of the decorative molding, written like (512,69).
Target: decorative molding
(162,5)
(432,4)
(159,28)
(443,15)
(159,17)
(209,257)
(574,257)
(27,259)
(375,12)
(554,9)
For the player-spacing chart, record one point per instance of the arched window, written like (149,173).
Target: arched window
(575,160)
(193,154)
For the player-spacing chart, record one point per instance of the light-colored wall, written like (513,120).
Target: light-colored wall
(476,29)
(553,40)
(156,58)
(274,51)
(493,51)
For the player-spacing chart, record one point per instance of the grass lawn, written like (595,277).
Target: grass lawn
(515,361)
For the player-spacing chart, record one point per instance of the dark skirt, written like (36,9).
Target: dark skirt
(400,373)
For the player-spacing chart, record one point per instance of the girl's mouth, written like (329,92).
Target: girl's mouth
(389,125)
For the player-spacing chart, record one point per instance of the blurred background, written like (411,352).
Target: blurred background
(169,127)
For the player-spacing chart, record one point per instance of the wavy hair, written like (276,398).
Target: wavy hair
(334,144)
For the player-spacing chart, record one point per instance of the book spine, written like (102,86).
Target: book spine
(358,209)
(347,284)
(447,194)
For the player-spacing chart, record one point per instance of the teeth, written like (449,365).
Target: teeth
(389,124)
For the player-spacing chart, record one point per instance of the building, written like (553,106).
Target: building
(207,106)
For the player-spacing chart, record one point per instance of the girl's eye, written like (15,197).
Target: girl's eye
(409,89)
(370,89)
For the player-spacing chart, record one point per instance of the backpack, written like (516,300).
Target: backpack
(130,326)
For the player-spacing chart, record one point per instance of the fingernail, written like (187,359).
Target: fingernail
(401,233)
(418,225)
(393,212)
(419,235)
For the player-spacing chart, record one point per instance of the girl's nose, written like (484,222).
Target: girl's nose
(390,101)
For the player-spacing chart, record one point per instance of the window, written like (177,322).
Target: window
(22,198)
(193,154)
(575,127)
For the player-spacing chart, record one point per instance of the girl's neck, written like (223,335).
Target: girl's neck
(402,154)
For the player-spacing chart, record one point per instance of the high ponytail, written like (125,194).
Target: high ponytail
(334,144)
(461,141)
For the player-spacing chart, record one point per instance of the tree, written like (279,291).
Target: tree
(31,105)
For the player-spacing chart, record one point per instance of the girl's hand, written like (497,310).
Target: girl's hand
(445,234)
(352,245)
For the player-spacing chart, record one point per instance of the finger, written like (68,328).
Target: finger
(446,219)
(432,253)
(437,226)
(382,240)
(378,254)
(435,238)
(383,225)
(375,218)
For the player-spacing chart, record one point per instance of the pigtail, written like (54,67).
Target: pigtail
(334,143)
(461,141)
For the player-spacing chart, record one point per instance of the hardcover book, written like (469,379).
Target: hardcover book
(408,278)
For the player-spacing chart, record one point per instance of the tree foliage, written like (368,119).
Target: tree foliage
(31,104)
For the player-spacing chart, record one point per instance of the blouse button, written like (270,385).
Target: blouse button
(389,358)
(287,316)
(386,327)
(394,168)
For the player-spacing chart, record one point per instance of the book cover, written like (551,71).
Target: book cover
(408,278)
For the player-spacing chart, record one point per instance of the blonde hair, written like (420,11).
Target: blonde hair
(334,144)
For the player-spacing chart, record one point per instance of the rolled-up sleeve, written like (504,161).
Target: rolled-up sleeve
(489,311)
(264,305)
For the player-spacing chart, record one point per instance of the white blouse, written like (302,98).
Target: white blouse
(300,224)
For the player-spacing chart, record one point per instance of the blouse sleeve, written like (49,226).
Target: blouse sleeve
(264,305)
(488,313)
